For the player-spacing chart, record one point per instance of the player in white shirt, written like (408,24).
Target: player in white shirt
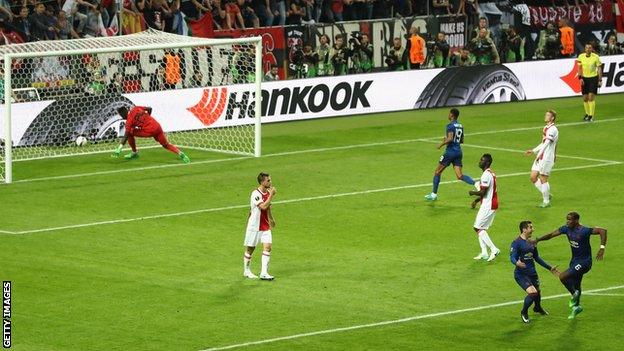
(545,154)
(488,197)
(259,226)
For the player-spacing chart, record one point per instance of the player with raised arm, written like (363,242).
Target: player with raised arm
(488,197)
(581,262)
(259,226)
(140,123)
(545,155)
(453,139)
(523,255)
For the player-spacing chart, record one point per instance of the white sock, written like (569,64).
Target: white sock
(266,257)
(246,261)
(486,239)
(482,244)
(538,185)
(546,192)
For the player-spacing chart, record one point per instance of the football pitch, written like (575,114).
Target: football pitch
(110,254)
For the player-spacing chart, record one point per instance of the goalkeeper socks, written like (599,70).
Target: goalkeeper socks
(592,107)
(172,148)
(467,179)
(586,106)
(436,183)
(546,192)
(266,257)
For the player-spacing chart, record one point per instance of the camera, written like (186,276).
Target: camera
(296,56)
(356,39)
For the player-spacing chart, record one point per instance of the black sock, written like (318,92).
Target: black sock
(569,284)
(528,301)
(538,300)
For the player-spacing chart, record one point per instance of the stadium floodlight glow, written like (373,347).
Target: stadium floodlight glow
(62,92)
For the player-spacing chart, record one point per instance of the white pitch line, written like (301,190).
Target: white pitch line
(395,321)
(601,294)
(522,152)
(296,152)
(303,199)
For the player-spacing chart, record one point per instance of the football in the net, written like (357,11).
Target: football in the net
(81,141)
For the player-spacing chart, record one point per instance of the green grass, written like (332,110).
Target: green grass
(175,283)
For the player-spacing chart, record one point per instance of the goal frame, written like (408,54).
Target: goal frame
(8,91)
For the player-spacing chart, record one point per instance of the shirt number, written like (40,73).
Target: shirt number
(578,267)
(458,135)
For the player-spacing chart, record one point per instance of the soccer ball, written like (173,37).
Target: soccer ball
(81,141)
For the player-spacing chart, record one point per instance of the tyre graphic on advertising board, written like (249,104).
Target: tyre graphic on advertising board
(457,86)
(64,120)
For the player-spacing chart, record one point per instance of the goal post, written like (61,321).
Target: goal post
(205,93)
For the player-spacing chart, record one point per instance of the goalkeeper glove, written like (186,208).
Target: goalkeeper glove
(117,151)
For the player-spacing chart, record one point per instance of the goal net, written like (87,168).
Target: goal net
(204,92)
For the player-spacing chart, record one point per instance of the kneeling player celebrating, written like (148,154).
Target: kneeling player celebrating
(140,123)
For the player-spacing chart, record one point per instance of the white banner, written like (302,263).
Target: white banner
(214,107)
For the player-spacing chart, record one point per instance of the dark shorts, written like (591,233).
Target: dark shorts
(454,157)
(579,267)
(526,280)
(590,85)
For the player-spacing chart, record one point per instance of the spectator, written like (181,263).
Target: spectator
(70,7)
(157,79)
(441,7)
(193,8)
(21,23)
(248,13)
(134,20)
(6,14)
(233,14)
(462,58)
(395,60)
(338,56)
(264,12)
(323,68)
(51,34)
(38,23)
(612,47)
(173,69)
(272,74)
(567,38)
(484,49)
(337,8)
(297,12)
(415,48)
(219,15)
(280,10)
(116,85)
(94,18)
(65,29)
(154,13)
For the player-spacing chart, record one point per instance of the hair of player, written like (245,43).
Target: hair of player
(553,113)
(488,158)
(455,113)
(524,225)
(123,111)
(261,177)
(575,216)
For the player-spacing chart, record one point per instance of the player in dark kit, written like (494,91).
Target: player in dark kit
(140,123)
(523,256)
(453,139)
(581,262)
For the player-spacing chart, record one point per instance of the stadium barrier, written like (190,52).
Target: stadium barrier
(355,94)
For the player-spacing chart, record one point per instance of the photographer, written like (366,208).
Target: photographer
(272,74)
(483,49)
(511,45)
(339,55)
(549,46)
(612,47)
(323,68)
(395,60)
(297,68)
(362,53)
(438,51)
(310,61)
(462,58)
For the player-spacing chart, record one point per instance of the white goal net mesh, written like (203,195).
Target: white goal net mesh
(201,92)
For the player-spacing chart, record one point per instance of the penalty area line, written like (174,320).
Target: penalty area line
(302,199)
(397,321)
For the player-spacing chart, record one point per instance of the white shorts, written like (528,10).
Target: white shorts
(542,167)
(254,237)
(484,219)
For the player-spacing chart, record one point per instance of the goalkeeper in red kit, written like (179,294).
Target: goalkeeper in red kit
(140,123)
